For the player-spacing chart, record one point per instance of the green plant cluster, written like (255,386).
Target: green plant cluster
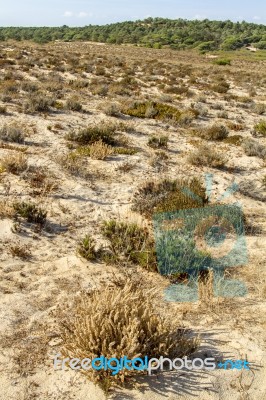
(158,111)
(92,134)
(169,195)
(30,212)
(130,242)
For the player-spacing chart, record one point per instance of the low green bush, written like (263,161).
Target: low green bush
(169,195)
(30,212)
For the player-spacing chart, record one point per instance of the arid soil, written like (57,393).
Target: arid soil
(49,91)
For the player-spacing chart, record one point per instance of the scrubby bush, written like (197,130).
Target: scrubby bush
(215,132)
(19,250)
(121,320)
(15,163)
(206,156)
(73,104)
(253,148)
(40,180)
(79,83)
(260,128)
(73,163)
(223,114)
(251,189)
(234,139)
(130,242)
(221,87)
(158,142)
(86,248)
(94,133)
(202,110)
(111,109)
(235,126)
(29,86)
(155,110)
(259,108)
(169,195)
(12,133)
(99,150)
(39,102)
(30,212)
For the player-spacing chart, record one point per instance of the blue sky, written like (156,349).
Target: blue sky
(85,12)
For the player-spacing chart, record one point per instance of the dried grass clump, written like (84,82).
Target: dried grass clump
(79,83)
(221,87)
(235,126)
(159,160)
(19,250)
(14,163)
(41,181)
(92,134)
(169,195)
(100,150)
(234,139)
(205,156)
(187,117)
(158,142)
(6,210)
(254,149)
(215,132)
(74,164)
(12,133)
(111,109)
(73,104)
(121,321)
(39,102)
(29,86)
(99,89)
(251,189)
(259,108)
(223,114)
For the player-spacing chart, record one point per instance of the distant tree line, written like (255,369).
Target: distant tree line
(152,32)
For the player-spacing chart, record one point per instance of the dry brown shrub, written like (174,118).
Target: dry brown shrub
(14,163)
(12,133)
(100,150)
(41,181)
(206,156)
(121,321)
(74,164)
(19,250)
(6,210)
(214,132)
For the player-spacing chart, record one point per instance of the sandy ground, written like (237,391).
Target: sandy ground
(31,289)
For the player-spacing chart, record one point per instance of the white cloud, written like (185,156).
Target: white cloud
(68,14)
(256,18)
(82,14)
